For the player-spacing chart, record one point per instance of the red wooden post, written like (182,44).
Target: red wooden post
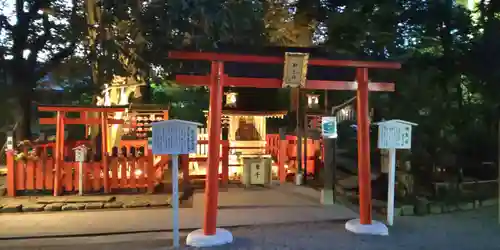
(122,162)
(85,115)
(11,174)
(150,168)
(49,174)
(225,162)
(30,174)
(282,158)
(68,175)
(136,163)
(58,152)
(316,154)
(185,168)
(104,152)
(364,180)
(212,183)
(62,143)
(114,164)
(39,174)
(20,175)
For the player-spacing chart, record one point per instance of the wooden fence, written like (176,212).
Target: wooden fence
(131,170)
(39,174)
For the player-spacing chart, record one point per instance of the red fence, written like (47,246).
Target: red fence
(273,144)
(127,146)
(40,175)
(289,146)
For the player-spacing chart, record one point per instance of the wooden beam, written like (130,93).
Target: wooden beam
(355,64)
(76,121)
(192,80)
(211,56)
(349,85)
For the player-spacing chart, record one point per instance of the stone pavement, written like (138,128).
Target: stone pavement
(237,208)
(471,230)
(69,203)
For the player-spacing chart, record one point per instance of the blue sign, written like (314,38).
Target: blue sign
(329,127)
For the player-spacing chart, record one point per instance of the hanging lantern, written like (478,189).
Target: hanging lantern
(231,98)
(312,101)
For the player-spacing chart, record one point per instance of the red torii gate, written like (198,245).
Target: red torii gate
(61,120)
(217,80)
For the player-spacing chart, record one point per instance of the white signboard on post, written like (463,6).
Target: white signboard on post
(10,141)
(295,70)
(392,135)
(175,137)
(80,156)
(329,127)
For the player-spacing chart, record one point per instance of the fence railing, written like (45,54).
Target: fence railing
(40,174)
(126,169)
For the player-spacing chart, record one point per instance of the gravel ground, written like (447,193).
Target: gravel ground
(474,230)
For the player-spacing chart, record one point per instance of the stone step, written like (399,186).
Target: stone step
(75,199)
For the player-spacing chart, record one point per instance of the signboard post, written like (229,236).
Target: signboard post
(175,137)
(80,156)
(329,133)
(392,135)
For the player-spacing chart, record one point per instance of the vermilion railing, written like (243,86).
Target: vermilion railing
(38,174)
(132,170)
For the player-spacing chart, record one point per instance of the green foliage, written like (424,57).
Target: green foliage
(185,103)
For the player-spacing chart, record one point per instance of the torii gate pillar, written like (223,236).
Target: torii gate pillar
(365,224)
(210,235)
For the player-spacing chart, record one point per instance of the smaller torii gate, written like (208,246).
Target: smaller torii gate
(61,120)
(218,79)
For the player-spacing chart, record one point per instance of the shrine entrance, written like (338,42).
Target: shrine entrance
(296,66)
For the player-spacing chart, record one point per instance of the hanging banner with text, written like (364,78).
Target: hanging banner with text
(295,70)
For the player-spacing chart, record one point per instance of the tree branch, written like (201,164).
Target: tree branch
(21,29)
(57,59)
(5,23)
(40,42)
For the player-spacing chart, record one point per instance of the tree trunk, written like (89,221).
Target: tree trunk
(25,93)
(24,129)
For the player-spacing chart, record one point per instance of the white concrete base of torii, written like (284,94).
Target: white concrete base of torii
(376,228)
(198,239)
